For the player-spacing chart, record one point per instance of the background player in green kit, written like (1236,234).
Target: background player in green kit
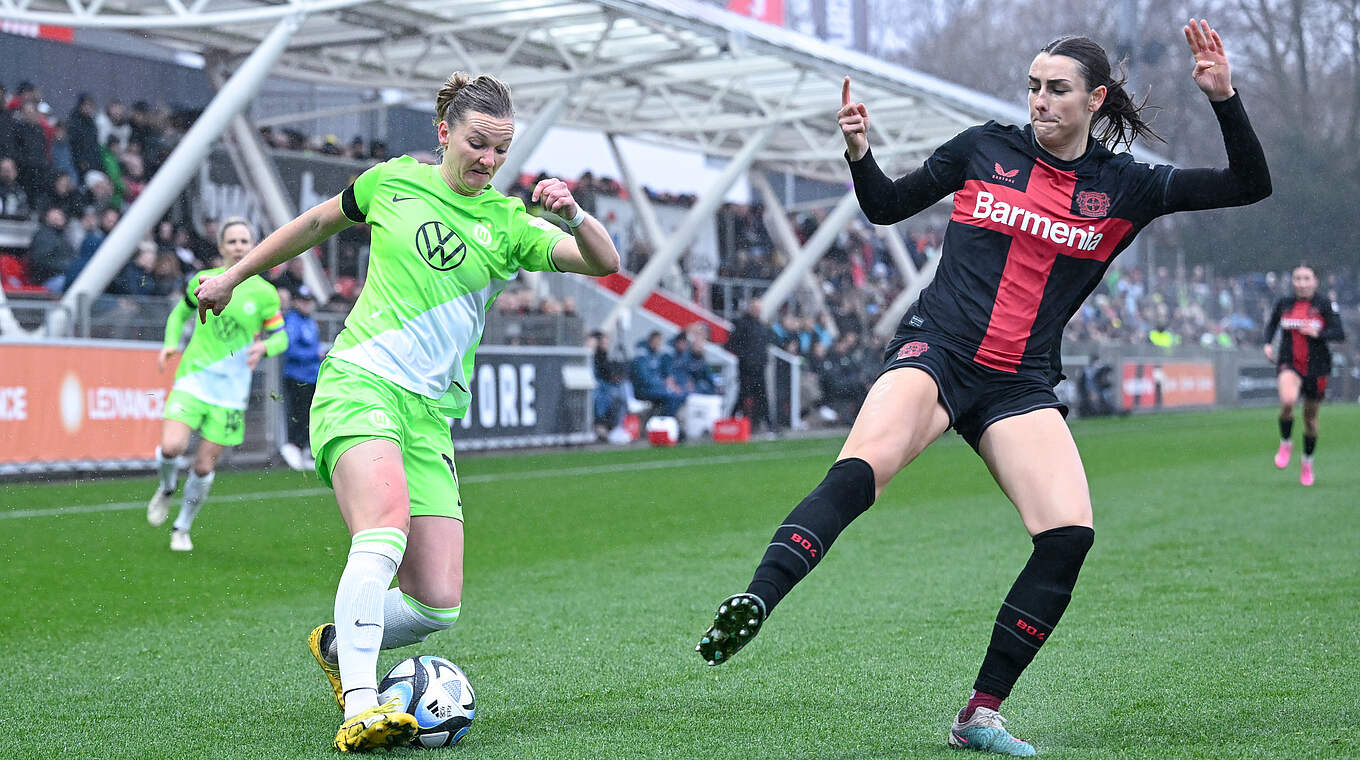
(212,384)
(445,243)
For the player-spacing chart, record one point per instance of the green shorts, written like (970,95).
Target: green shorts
(353,405)
(222,426)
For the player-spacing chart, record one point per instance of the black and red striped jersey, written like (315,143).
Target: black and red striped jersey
(1308,356)
(1032,235)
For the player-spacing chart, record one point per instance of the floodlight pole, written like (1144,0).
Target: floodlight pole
(179,168)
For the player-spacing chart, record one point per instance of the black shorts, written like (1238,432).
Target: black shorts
(975,396)
(1314,387)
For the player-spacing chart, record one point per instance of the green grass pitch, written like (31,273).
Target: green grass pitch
(1218,615)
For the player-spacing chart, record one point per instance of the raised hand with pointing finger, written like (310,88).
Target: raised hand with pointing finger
(854,121)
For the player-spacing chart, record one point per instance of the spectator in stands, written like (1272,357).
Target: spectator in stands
(99,191)
(138,278)
(585,191)
(31,150)
(63,162)
(7,146)
(687,366)
(610,371)
(65,194)
(287,276)
(112,124)
(301,365)
(108,219)
(377,151)
(49,255)
(134,176)
(356,148)
(650,382)
(13,198)
(749,341)
(84,136)
(204,245)
(184,253)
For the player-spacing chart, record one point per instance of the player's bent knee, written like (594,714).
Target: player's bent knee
(438,614)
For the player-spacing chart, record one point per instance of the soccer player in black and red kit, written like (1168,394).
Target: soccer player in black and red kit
(1308,322)
(1039,212)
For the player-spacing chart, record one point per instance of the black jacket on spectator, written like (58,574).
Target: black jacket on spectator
(749,341)
(84,138)
(14,202)
(31,146)
(8,147)
(49,254)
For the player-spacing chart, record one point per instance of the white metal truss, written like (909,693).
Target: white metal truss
(674,72)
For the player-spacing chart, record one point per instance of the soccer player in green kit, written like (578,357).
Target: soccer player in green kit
(445,243)
(212,384)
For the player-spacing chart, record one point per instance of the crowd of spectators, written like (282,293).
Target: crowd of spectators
(72,178)
(659,376)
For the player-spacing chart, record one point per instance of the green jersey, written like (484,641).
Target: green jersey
(213,368)
(437,261)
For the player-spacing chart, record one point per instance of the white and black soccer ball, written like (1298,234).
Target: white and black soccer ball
(437,693)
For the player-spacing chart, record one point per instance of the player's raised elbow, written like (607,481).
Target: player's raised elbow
(605,262)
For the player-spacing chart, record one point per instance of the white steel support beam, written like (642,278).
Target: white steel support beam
(684,235)
(898,251)
(812,252)
(637,195)
(527,141)
(887,324)
(179,168)
(777,222)
(262,176)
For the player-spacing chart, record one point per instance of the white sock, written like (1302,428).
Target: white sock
(169,470)
(196,488)
(374,556)
(407,621)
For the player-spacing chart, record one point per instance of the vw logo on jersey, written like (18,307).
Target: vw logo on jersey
(248,307)
(440,246)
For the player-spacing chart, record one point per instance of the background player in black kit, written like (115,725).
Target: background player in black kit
(1039,212)
(1307,321)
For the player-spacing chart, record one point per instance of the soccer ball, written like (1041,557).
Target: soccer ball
(437,693)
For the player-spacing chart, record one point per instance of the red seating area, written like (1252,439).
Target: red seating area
(14,276)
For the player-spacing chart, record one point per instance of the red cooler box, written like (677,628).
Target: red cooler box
(732,430)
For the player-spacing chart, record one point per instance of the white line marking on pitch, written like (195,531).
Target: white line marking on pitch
(654,464)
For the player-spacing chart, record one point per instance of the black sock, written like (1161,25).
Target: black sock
(802,541)
(1286,428)
(1033,606)
(1309,443)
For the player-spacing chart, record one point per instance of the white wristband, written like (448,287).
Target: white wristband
(577,220)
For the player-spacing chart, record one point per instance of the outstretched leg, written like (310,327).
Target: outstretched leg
(900,417)
(1035,461)
(1310,436)
(1289,384)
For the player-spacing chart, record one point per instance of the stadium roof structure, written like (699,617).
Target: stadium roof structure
(678,73)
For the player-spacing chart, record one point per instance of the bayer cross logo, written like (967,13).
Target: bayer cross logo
(441,246)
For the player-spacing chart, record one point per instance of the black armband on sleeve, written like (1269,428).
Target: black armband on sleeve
(350,205)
